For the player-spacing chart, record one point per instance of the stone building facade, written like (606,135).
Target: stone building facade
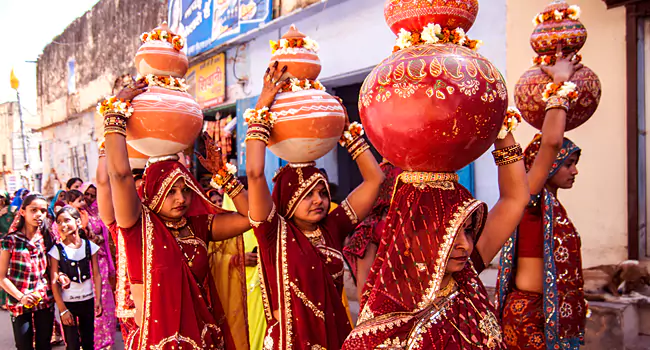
(77,69)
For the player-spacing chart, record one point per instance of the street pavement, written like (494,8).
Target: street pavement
(7,336)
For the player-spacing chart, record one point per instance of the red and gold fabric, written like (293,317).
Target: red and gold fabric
(194,289)
(371,228)
(302,274)
(563,305)
(403,304)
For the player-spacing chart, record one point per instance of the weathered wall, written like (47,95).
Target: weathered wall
(103,43)
(8,114)
(598,202)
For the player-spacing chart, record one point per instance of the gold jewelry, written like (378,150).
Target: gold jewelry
(190,261)
(176,225)
(508,155)
(558,102)
(315,237)
(359,151)
(449,288)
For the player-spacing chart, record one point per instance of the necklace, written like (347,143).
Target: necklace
(176,225)
(448,289)
(190,261)
(315,237)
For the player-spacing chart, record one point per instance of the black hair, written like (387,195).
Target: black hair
(89,187)
(72,195)
(75,214)
(72,182)
(45,226)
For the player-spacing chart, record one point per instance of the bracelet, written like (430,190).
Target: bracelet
(566,89)
(114,123)
(511,122)
(64,312)
(260,116)
(557,102)
(508,155)
(113,105)
(354,131)
(259,130)
(225,179)
(364,147)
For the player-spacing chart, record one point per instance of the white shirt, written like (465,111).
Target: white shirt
(77,291)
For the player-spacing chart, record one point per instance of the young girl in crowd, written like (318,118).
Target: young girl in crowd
(71,263)
(23,275)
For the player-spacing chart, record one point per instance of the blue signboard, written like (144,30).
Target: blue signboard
(208,23)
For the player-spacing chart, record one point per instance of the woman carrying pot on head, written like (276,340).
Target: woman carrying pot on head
(299,242)
(167,225)
(540,292)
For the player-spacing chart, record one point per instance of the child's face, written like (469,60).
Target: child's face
(68,226)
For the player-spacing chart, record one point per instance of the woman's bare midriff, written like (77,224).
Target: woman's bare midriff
(530,275)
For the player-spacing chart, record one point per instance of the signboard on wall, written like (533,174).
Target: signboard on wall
(208,23)
(207,81)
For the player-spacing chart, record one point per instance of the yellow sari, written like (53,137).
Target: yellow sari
(256,320)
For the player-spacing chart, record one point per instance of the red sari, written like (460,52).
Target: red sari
(401,306)
(124,305)
(302,275)
(371,228)
(185,306)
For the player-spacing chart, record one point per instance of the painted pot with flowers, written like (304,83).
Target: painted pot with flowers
(166,119)
(161,53)
(435,104)
(309,120)
(560,24)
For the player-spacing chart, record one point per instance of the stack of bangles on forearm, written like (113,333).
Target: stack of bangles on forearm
(116,112)
(353,140)
(560,95)
(260,122)
(508,155)
(225,179)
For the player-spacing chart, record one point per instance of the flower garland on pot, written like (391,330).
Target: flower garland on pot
(296,85)
(289,45)
(177,41)
(435,34)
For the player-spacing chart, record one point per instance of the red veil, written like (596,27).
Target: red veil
(400,308)
(180,311)
(302,279)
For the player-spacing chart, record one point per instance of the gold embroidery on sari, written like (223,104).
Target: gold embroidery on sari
(265,301)
(121,310)
(268,339)
(146,268)
(306,301)
(283,286)
(216,328)
(392,344)
(257,224)
(317,347)
(349,211)
(178,339)
(193,241)
(380,324)
(168,181)
(457,220)
(303,190)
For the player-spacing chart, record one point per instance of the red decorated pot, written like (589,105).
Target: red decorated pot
(137,160)
(433,107)
(413,15)
(159,57)
(309,125)
(570,33)
(531,85)
(302,61)
(164,122)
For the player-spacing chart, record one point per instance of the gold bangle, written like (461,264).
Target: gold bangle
(360,151)
(509,161)
(557,102)
(258,137)
(237,190)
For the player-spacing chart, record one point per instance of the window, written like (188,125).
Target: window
(72,86)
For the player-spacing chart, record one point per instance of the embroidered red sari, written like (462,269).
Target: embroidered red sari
(400,304)
(371,228)
(185,306)
(302,276)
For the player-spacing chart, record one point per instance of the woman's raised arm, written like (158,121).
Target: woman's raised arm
(123,189)
(259,196)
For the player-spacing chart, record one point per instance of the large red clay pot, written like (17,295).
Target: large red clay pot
(159,57)
(531,85)
(433,107)
(164,122)
(309,125)
(301,63)
(413,15)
